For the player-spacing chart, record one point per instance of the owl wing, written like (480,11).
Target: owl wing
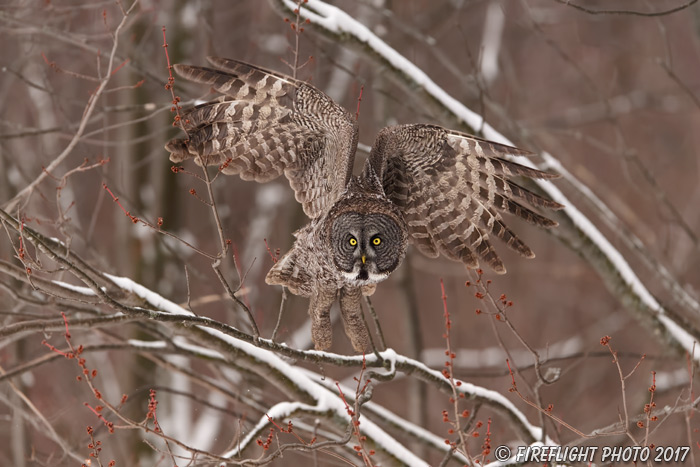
(452,188)
(266,124)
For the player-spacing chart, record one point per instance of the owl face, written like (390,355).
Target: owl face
(366,247)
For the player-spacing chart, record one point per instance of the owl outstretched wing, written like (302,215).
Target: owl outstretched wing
(265,124)
(452,188)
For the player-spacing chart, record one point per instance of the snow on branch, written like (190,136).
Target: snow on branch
(308,385)
(321,399)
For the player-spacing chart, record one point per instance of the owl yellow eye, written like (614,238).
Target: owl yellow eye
(376,241)
(353,241)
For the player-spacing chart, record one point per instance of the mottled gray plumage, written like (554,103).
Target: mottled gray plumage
(441,190)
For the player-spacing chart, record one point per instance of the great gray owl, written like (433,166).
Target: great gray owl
(438,189)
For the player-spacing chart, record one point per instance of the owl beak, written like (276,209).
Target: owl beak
(364,258)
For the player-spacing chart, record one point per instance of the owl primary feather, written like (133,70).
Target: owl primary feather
(440,190)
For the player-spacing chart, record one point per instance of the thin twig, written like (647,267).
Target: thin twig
(251,320)
(273,338)
(377,324)
(591,11)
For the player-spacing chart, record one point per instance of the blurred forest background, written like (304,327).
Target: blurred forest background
(613,93)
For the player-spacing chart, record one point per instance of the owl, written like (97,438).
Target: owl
(440,190)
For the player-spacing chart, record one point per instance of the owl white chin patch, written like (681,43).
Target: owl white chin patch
(372,278)
(349,276)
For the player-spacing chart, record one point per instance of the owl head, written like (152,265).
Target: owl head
(367,235)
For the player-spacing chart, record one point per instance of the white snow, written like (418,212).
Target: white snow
(151,297)
(59,241)
(75,288)
(147,345)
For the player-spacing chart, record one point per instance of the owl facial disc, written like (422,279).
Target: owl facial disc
(366,247)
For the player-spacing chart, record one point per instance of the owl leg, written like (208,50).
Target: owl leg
(353,322)
(320,313)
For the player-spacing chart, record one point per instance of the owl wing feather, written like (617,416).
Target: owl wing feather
(265,124)
(453,187)
(288,271)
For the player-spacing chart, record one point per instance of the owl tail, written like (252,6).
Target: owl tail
(288,273)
